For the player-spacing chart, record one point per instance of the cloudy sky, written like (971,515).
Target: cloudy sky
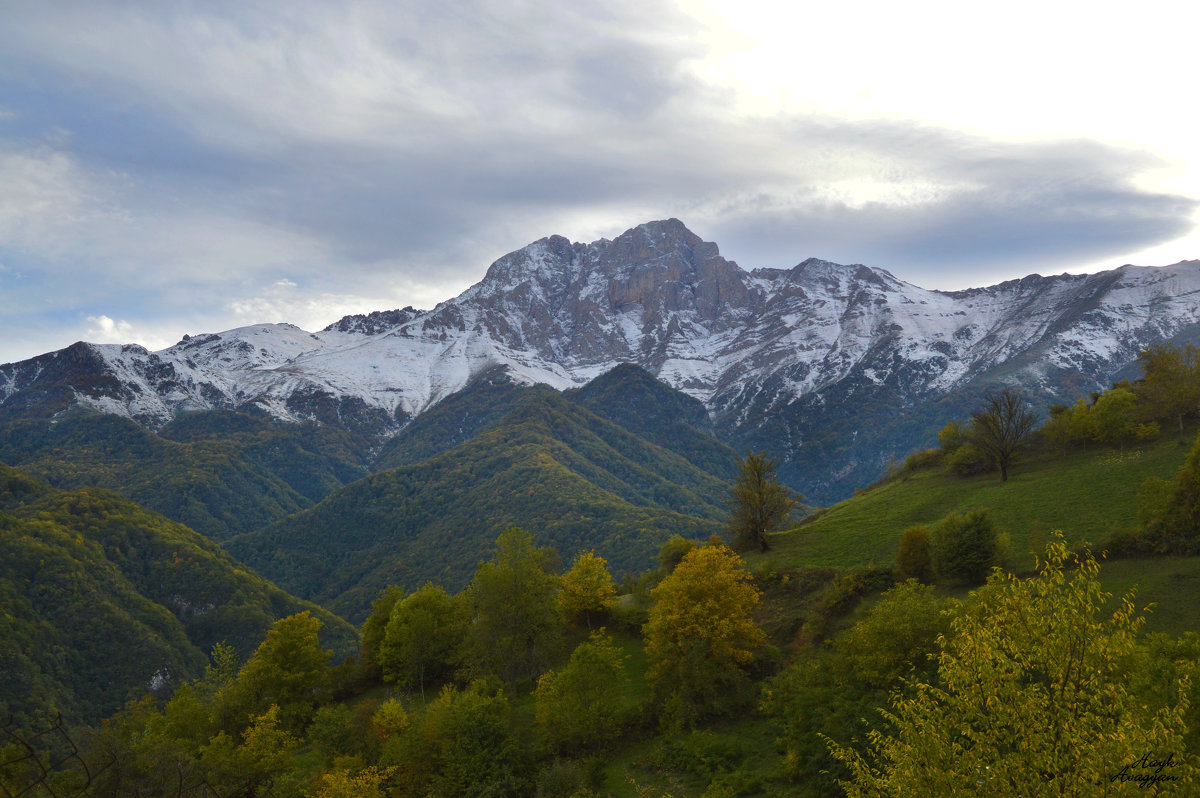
(182,167)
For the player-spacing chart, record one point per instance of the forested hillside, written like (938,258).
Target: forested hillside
(220,473)
(550,464)
(101,599)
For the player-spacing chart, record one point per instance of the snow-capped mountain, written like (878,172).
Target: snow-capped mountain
(846,364)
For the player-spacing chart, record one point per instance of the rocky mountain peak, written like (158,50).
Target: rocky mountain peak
(663,267)
(666,249)
(375,323)
(549,258)
(651,242)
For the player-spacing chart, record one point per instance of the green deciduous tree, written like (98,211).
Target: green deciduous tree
(1170,388)
(1057,431)
(141,751)
(372,631)
(758,503)
(366,782)
(952,436)
(517,622)
(834,689)
(461,746)
(967,461)
(672,551)
(260,763)
(422,638)
(894,637)
(288,670)
(1031,699)
(1001,429)
(700,632)
(1115,415)
(587,589)
(1083,423)
(584,703)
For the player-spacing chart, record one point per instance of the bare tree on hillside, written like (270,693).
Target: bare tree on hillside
(1002,428)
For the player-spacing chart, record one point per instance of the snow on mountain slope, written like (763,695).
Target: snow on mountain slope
(755,347)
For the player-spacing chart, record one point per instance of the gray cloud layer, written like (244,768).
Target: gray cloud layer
(175,163)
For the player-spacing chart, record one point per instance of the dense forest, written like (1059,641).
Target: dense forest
(968,624)
(548,463)
(87,576)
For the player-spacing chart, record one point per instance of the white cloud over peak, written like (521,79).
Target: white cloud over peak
(108,331)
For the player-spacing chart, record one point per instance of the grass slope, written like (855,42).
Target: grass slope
(1087,494)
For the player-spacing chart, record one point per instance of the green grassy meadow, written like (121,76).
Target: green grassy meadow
(1087,495)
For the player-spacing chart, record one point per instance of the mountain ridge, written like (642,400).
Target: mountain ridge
(771,353)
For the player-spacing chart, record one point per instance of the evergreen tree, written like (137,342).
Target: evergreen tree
(758,503)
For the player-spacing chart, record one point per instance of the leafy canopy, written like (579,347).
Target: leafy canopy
(587,589)
(964,548)
(1170,387)
(422,638)
(914,560)
(835,689)
(289,671)
(700,631)
(1030,699)
(583,703)
(517,620)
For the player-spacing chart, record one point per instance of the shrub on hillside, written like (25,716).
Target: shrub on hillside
(915,559)
(842,594)
(967,461)
(1172,523)
(952,437)
(965,548)
(926,458)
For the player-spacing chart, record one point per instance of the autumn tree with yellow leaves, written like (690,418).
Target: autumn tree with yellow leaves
(587,589)
(700,634)
(1032,699)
